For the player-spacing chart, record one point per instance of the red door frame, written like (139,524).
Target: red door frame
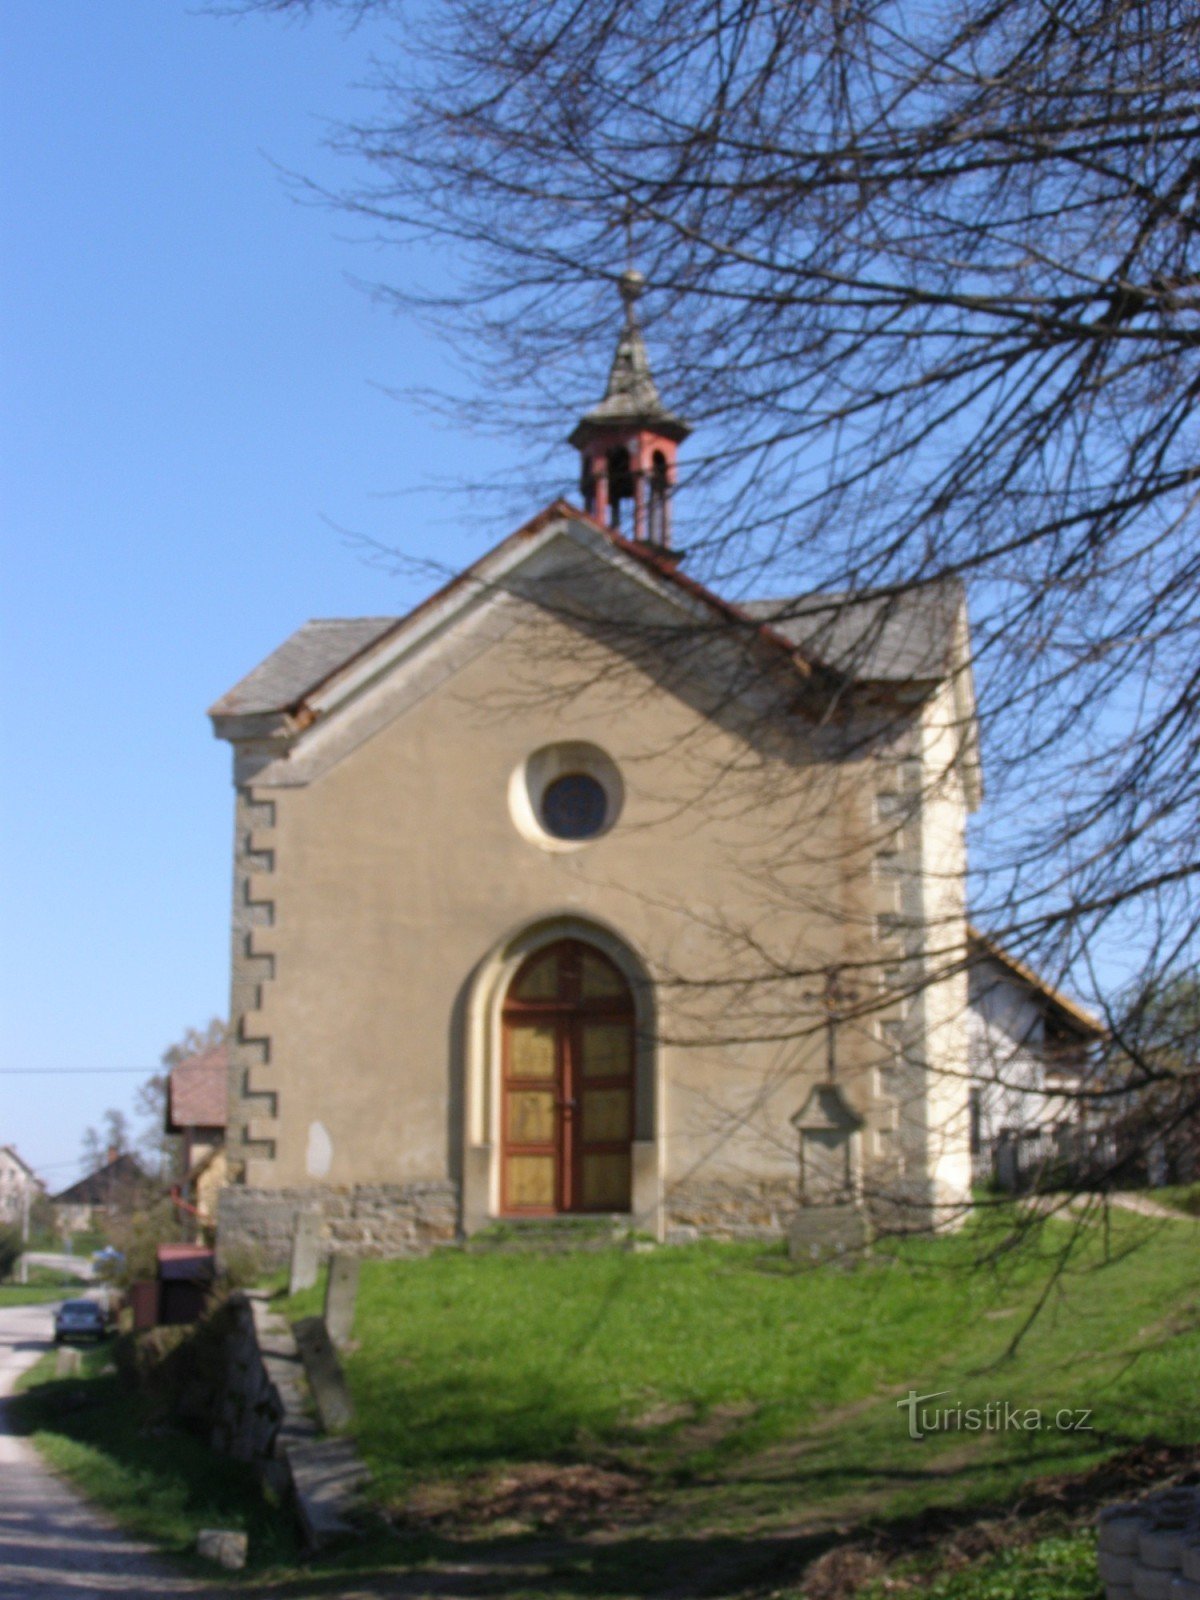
(567,1013)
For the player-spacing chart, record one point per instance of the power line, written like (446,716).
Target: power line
(59,1072)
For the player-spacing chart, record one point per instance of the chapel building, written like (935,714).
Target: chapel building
(581,891)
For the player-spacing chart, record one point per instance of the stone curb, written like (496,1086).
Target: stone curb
(325,1475)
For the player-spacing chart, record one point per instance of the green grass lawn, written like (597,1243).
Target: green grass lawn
(705,1419)
(20,1294)
(43,1286)
(686,1364)
(1061,1568)
(79,1244)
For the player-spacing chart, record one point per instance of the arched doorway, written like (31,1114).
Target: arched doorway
(568,1084)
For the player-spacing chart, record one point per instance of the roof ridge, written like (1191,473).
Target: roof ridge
(374,616)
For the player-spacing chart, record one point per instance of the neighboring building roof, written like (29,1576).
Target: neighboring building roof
(982,947)
(893,637)
(198,1091)
(304,660)
(98,1187)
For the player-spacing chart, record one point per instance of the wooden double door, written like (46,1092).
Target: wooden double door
(568,1084)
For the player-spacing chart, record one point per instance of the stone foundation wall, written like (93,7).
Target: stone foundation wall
(408,1219)
(1150,1549)
(385,1219)
(753,1209)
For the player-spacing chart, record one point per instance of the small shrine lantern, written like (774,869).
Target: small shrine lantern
(830,1149)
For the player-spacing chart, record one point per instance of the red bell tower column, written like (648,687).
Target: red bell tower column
(629,443)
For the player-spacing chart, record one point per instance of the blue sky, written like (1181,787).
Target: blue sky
(191,392)
(193,395)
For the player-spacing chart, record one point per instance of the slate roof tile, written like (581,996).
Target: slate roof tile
(302,661)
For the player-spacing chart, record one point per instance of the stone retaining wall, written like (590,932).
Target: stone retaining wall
(257,1399)
(248,1407)
(408,1219)
(382,1219)
(1150,1549)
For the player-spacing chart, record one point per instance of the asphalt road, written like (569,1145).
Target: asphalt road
(53,1545)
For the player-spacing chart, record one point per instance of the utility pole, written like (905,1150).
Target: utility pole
(25,1231)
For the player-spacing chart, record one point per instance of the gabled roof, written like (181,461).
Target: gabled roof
(198,1091)
(315,651)
(892,639)
(892,636)
(982,947)
(306,665)
(99,1187)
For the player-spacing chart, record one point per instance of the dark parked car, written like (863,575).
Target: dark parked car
(79,1319)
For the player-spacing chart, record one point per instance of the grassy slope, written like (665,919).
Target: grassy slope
(1183,1196)
(468,1363)
(743,1399)
(44,1286)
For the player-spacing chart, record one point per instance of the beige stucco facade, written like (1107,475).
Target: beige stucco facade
(391,876)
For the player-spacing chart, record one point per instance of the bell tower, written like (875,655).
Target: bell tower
(629,442)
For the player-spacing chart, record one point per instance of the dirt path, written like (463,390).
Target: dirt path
(53,1545)
(1143,1206)
(1062,1203)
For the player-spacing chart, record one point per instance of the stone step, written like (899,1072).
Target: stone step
(551,1235)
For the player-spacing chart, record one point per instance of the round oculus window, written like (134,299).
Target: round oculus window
(574,806)
(565,796)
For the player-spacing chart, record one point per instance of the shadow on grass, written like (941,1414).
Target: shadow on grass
(636,1562)
(165,1484)
(630,1566)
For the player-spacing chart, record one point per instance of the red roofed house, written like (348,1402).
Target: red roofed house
(197,1101)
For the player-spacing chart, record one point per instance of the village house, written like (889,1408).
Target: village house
(118,1185)
(1030,1053)
(19,1187)
(579,890)
(196,1111)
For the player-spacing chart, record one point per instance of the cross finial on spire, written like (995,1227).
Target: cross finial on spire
(632,286)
